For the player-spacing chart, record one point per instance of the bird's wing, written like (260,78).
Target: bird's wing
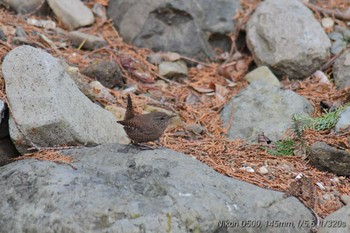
(134,124)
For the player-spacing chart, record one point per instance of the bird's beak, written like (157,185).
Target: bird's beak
(171,116)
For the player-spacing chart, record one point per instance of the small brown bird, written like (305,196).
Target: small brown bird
(145,127)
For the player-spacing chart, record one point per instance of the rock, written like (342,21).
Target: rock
(263,170)
(3,36)
(179,26)
(107,73)
(263,108)
(330,159)
(155,58)
(23,7)
(263,73)
(327,24)
(87,41)
(290,42)
(47,24)
(99,10)
(72,13)
(136,191)
(217,17)
(20,32)
(344,120)
(22,41)
(49,108)
(345,199)
(336,222)
(172,69)
(341,70)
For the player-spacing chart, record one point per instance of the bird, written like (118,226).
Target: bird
(144,127)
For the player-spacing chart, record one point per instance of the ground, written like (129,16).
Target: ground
(199,99)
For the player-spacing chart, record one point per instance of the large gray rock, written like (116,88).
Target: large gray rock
(330,159)
(284,35)
(48,107)
(336,222)
(113,190)
(344,120)
(178,26)
(72,13)
(341,70)
(23,7)
(263,107)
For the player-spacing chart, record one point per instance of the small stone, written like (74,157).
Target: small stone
(263,73)
(2,35)
(171,69)
(99,91)
(320,185)
(86,41)
(21,41)
(99,10)
(196,128)
(72,13)
(345,199)
(20,32)
(247,169)
(327,24)
(107,73)
(47,24)
(263,170)
(335,181)
(155,58)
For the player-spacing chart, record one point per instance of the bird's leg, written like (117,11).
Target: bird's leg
(143,146)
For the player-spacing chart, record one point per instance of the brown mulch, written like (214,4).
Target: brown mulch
(190,99)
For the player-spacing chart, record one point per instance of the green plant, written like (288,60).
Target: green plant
(324,122)
(283,148)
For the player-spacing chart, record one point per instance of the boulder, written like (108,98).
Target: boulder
(263,108)
(341,70)
(23,7)
(116,188)
(285,36)
(185,27)
(47,107)
(336,222)
(330,159)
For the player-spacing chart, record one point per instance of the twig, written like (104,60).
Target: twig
(331,61)
(195,61)
(334,13)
